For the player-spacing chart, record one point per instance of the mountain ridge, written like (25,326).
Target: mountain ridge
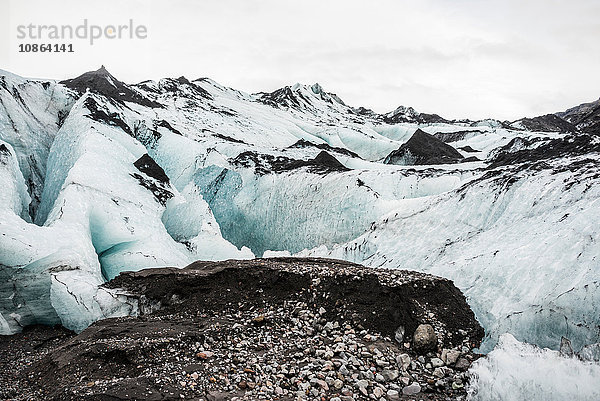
(585,116)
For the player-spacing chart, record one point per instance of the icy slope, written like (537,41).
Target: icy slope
(206,111)
(14,196)
(519,241)
(265,212)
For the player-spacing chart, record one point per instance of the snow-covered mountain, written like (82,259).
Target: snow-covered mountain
(99,176)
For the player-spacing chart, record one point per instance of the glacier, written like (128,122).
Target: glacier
(518,371)
(100,177)
(98,215)
(502,239)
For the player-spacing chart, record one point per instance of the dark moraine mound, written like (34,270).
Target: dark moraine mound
(302,143)
(275,329)
(521,150)
(323,163)
(468,149)
(457,135)
(423,148)
(19,351)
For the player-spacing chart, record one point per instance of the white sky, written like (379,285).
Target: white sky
(458,58)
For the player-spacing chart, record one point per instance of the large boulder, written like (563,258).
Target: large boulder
(425,338)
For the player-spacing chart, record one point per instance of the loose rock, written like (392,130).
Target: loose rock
(411,389)
(425,338)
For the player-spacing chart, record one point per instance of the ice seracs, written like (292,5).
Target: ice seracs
(101,212)
(14,196)
(31,112)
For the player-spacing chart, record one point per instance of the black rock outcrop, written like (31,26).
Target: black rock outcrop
(456,135)
(302,143)
(154,179)
(522,151)
(423,148)
(323,163)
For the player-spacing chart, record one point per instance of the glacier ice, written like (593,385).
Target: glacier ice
(190,220)
(31,112)
(98,215)
(520,244)
(266,213)
(14,195)
(520,371)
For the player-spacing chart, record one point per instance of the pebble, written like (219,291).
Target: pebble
(412,389)
(259,320)
(389,375)
(344,370)
(450,356)
(457,385)
(399,334)
(403,361)
(462,364)
(362,383)
(436,362)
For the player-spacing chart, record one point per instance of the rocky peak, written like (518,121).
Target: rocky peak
(546,123)
(404,114)
(317,89)
(301,97)
(104,83)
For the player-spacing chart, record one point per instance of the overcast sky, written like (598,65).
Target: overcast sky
(458,58)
